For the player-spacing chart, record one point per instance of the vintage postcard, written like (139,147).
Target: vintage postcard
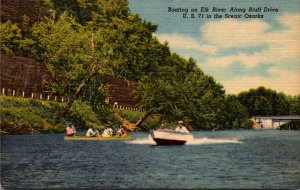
(150,94)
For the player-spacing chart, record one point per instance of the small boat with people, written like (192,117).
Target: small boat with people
(126,136)
(93,134)
(179,136)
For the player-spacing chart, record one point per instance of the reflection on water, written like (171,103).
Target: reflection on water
(220,159)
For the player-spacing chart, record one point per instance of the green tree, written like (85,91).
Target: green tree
(267,102)
(14,40)
(294,105)
(235,114)
(87,11)
(182,90)
(78,48)
(10,37)
(73,55)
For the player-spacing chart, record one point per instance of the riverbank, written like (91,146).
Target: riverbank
(19,116)
(32,116)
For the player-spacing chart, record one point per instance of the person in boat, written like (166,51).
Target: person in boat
(161,127)
(181,128)
(91,132)
(121,131)
(108,132)
(70,130)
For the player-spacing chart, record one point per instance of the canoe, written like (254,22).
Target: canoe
(114,137)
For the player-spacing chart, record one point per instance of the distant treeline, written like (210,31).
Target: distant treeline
(267,102)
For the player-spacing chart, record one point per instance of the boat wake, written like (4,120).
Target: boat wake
(149,140)
(213,141)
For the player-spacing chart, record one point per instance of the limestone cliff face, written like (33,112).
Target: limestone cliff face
(27,75)
(122,91)
(23,74)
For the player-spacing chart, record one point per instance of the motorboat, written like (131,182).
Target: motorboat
(170,137)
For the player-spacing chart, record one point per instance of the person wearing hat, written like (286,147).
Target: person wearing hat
(181,128)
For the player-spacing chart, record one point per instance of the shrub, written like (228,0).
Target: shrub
(132,116)
(18,114)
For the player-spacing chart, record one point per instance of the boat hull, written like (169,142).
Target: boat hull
(169,141)
(170,137)
(100,138)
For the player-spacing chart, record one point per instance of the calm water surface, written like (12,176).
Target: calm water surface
(262,159)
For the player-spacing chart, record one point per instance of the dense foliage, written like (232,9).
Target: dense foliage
(267,102)
(15,117)
(181,90)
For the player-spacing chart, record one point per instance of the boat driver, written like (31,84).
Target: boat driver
(161,127)
(181,128)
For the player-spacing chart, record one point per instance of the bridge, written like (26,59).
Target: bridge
(275,122)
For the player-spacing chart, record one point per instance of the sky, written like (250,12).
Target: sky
(240,53)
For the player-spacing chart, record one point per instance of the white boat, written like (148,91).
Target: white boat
(170,137)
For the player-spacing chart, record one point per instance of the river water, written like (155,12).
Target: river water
(235,159)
